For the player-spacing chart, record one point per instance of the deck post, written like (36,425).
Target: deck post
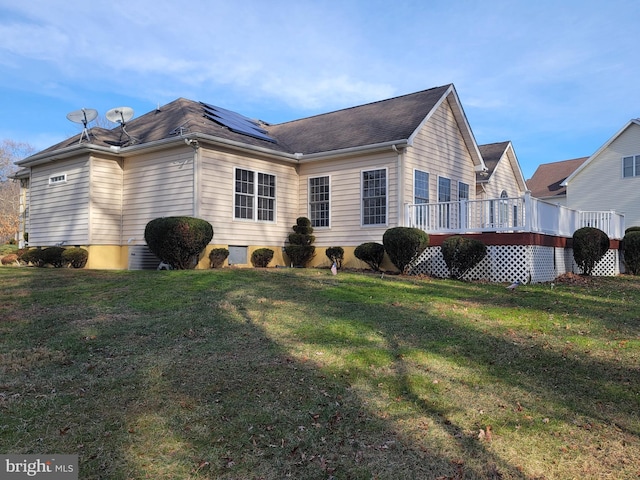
(528,212)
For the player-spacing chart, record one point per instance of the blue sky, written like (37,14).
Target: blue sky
(557,78)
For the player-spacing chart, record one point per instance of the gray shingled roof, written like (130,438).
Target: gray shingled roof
(379,122)
(491,154)
(384,121)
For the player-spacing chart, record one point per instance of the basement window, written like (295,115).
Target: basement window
(58,178)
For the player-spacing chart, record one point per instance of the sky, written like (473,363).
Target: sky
(558,78)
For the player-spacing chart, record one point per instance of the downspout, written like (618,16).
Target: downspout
(196,175)
(400,173)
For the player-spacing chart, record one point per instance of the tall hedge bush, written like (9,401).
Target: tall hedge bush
(589,246)
(404,245)
(178,241)
(462,254)
(631,251)
(300,249)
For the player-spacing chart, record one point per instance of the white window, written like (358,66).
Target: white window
(631,166)
(420,187)
(57,178)
(444,196)
(463,191)
(319,201)
(255,196)
(374,197)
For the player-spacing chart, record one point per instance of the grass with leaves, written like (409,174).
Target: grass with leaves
(296,373)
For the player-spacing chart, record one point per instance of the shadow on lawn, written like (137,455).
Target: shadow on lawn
(188,399)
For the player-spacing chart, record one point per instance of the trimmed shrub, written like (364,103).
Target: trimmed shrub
(404,245)
(75,256)
(31,256)
(178,241)
(632,229)
(300,251)
(217,256)
(261,257)
(52,256)
(336,255)
(462,254)
(589,246)
(631,251)
(371,253)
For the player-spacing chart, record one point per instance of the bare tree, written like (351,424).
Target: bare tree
(10,152)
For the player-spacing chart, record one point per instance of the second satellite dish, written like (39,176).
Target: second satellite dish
(120,115)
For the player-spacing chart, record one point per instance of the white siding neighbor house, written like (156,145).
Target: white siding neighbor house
(610,178)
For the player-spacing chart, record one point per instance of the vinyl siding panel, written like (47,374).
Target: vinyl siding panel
(600,185)
(106,202)
(346,198)
(503,179)
(158,184)
(59,212)
(440,150)
(217,192)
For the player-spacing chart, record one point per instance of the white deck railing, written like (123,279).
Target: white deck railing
(521,214)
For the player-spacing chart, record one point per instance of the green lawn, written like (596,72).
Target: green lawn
(295,373)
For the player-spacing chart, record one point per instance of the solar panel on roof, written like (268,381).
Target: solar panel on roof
(236,122)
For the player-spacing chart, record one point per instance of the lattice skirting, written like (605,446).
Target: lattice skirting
(508,263)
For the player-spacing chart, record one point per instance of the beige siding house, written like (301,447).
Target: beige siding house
(352,172)
(610,178)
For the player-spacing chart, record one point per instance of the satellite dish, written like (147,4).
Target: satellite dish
(120,115)
(83,116)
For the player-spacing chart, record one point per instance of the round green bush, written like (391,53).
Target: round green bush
(371,253)
(589,246)
(217,256)
(178,241)
(31,256)
(261,257)
(631,251)
(75,256)
(404,245)
(462,254)
(632,229)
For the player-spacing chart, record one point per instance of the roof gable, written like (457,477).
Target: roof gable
(493,154)
(634,121)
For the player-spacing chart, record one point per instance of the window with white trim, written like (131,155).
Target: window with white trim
(420,187)
(631,166)
(319,201)
(444,196)
(255,196)
(374,197)
(57,178)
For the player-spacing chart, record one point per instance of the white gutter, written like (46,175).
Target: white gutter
(296,158)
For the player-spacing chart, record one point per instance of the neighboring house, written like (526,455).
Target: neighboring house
(352,172)
(610,178)
(547,181)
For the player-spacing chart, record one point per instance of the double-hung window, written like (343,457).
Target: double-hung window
(444,207)
(374,197)
(631,166)
(255,196)
(421,196)
(319,201)
(463,194)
